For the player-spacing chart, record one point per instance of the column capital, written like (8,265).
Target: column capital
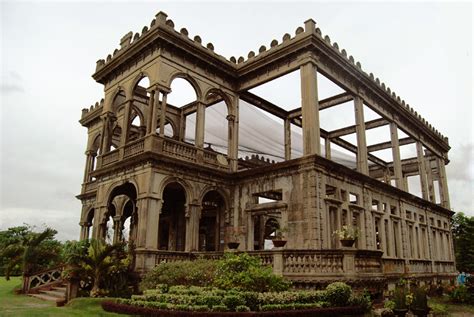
(91,153)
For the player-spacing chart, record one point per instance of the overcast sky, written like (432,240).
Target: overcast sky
(423,51)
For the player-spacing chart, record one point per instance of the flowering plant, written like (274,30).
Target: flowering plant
(347,233)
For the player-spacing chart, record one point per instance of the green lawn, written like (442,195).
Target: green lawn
(21,305)
(453,310)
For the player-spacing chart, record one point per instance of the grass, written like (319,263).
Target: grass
(22,305)
(442,304)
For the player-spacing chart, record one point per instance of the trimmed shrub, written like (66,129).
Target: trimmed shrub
(242,308)
(220,308)
(200,272)
(251,300)
(246,273)
(232,301)
(338,294)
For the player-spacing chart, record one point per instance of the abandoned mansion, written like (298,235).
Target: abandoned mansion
(182,179)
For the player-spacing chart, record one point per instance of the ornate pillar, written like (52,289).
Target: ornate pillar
(327,147)
(233,141)
(193,216)
(107,121)
(362,157)
(310,109)
(422,170)
(117,229)
(84,230)
(126,122)
(164,92)
(443,184)
(287,133)
(200,124)
(429,178)
(151,108)
(152,207)
(154,111)
(90,157)
(397,165)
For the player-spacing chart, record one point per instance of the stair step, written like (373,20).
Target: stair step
(47,297)
(59,288)
(54,293)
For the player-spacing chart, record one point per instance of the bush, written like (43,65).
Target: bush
(242,308)
(338,294)
(220,308)
(246,273)
(461,294)
(200,272)
(251,300)
(232,301)
(362,300)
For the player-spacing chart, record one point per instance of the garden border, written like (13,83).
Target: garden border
(115,307)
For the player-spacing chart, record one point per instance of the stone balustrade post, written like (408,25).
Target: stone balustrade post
(348,261)
(278,264)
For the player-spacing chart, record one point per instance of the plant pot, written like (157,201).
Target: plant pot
(420,312)
(347,242)
(279,243)
(233,245)
(400,312)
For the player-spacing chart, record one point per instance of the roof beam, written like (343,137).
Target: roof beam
(387,145)
(352,129)
(350,147)
(264,105)
(325,103)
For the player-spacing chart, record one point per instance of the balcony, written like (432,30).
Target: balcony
(164,146)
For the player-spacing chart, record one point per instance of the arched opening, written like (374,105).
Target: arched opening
(140,107)
(265,228)
(89,221)
(137,125)
(128,222)
(216,134)
(172,225)
(211,223)
(121,203)
(115,137)
(183,93)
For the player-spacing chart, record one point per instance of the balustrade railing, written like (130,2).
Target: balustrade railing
(312,262)
(393,266)
(42,278)
(134,148)
(368,262)
(179,150)
(419,266)
(110,157)
(444,267)
(90,186)
(171,256)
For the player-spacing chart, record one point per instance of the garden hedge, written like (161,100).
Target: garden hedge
(112,306)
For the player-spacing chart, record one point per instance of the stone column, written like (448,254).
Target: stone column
(90,157)
(154,112)
(362,157)
(182,126)
(106,132)
(422,170)
(117,229)
(287,139)
(126,122)
(429,178)
(233,135)
(397,165)
(443,184)
(151,111)
(200,124)
(163,113)
(153,209)
(383,236)
(310,109)
(193,216)
(327,147)
(84,230)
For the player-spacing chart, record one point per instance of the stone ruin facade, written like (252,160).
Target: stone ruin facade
(176,198)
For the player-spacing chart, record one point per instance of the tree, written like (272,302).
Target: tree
(463,236)
(28,251)
(93,261)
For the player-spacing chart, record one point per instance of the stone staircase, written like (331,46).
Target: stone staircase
(55,294)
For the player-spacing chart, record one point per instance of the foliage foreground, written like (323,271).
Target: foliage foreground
(13,305)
